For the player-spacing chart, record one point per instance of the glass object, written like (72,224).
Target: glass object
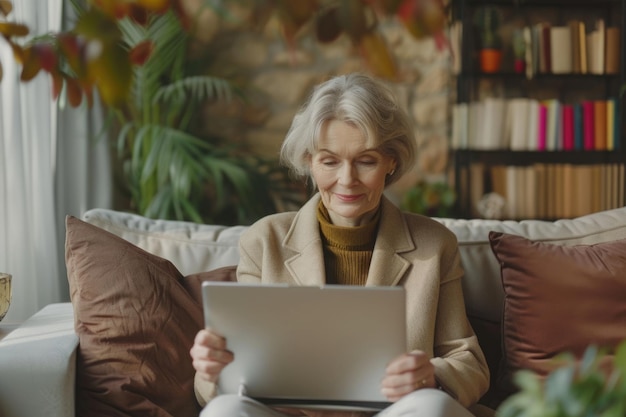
(5,294)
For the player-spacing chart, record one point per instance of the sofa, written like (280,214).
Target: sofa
(532,289)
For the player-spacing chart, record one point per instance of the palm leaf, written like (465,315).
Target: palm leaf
(197,88)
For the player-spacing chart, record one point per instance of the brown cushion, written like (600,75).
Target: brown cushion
(559,298)
(135,322)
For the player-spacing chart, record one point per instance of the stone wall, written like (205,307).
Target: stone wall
(277,79)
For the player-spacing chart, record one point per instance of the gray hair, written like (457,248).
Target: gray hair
(361,101)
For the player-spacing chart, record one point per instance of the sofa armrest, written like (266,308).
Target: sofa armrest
(38,365)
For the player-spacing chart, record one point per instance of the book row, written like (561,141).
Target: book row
(549,191)
(536,125)
(573,48)
(545,48)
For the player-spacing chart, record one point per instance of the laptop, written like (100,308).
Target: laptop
(307,347)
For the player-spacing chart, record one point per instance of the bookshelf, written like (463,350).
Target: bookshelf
(549,134)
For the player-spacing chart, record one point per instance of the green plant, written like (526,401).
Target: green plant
(518,43)
(582,388)
(173,172)
(430,198)
(487,21)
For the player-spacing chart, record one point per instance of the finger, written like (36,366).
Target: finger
(405,363)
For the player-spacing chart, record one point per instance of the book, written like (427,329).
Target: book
(574,27)
(517,123)
(561,50)
(546,48)
(578,126)
(553,137)
(511,194)
(494,113)
(588,125)
(540,180)
(599,123)
(610,125)
(612,50)
(568,126)
(542,122)
(582,41)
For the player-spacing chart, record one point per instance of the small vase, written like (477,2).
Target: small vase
(5,294)
(490,60)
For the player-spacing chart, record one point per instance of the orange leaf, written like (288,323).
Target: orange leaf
(18,52)
(9,29)
(57,84)
(47,56)
(5,7)
(31,66)
(72,49)
(377,56)
(74,92)
(112,73)
(141,52)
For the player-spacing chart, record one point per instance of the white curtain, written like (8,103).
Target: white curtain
(50,166)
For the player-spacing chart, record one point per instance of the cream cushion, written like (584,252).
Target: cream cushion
(191,247)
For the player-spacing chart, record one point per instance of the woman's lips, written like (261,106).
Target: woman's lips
(348,198)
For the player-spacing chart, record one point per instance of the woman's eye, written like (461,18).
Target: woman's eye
(329,163)
(367,162)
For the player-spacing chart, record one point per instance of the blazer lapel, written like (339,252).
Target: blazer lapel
(388,266)
(303,237)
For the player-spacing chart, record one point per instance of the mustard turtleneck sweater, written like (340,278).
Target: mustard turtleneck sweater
(347,250)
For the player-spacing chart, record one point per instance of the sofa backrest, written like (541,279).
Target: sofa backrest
(193,247)
(482,285)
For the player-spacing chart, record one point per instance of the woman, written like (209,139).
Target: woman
(352,140)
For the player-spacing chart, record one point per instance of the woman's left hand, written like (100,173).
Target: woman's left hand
(407,373)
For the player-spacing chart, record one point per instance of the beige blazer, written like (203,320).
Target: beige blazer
(410,250)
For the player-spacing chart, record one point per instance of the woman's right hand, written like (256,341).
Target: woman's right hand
(210,355)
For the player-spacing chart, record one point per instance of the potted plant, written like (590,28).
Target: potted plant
(585,388)
(430,198)
(519,51)
(487,21)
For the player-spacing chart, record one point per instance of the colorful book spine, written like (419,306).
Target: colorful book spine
(568,127)
(542,125)
(588,126)
(599,123)
(578,126)
(610,125)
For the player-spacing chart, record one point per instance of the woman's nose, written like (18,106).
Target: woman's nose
(347,174)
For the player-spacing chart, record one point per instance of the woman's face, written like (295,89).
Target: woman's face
(349,175)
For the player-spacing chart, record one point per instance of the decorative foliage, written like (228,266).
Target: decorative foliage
(576,389)
(431,199)
(93,54)
(172,172)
